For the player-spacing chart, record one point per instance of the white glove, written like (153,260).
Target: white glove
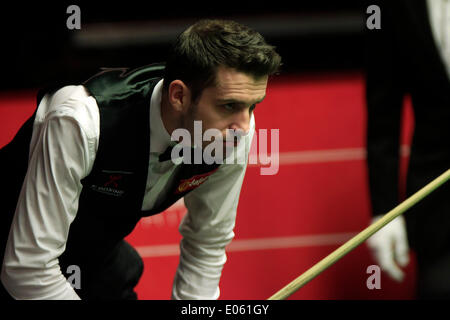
(390,248)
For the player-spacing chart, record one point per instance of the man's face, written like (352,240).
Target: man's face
(229,104)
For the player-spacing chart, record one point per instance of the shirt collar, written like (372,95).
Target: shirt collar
(159,137)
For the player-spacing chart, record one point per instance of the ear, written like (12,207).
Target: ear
(179,95)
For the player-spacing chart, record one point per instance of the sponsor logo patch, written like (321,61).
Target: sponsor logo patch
(113,183)
(192,183)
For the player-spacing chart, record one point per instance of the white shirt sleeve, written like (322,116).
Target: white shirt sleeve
(61,154)
(439,17)
(207,228)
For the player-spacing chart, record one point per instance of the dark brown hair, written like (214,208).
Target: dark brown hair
(200,49)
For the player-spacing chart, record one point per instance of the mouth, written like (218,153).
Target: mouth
(231,143)
(232,138)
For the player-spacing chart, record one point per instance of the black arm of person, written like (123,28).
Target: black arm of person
(384,98)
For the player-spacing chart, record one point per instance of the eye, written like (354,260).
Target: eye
(233,107)
(229,106)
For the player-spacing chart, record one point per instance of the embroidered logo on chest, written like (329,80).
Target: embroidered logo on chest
(192,183)
(113,183)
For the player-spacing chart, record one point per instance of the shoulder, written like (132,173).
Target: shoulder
(74,103)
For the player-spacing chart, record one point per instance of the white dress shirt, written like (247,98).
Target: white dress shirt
(439,14)
(62,152)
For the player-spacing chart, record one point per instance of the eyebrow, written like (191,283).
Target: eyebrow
(238,101)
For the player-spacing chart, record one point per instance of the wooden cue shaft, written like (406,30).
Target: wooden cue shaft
(329,260)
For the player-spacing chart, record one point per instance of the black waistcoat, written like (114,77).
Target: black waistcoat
(111,200)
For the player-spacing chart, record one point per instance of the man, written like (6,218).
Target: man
(411,54)
(98,162)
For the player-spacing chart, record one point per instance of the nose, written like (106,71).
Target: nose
(241,122)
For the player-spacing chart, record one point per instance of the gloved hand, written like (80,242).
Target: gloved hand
(389,247)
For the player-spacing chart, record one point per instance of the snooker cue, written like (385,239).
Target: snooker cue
(329,260)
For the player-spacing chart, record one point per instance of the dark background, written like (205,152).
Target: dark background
(38,48)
